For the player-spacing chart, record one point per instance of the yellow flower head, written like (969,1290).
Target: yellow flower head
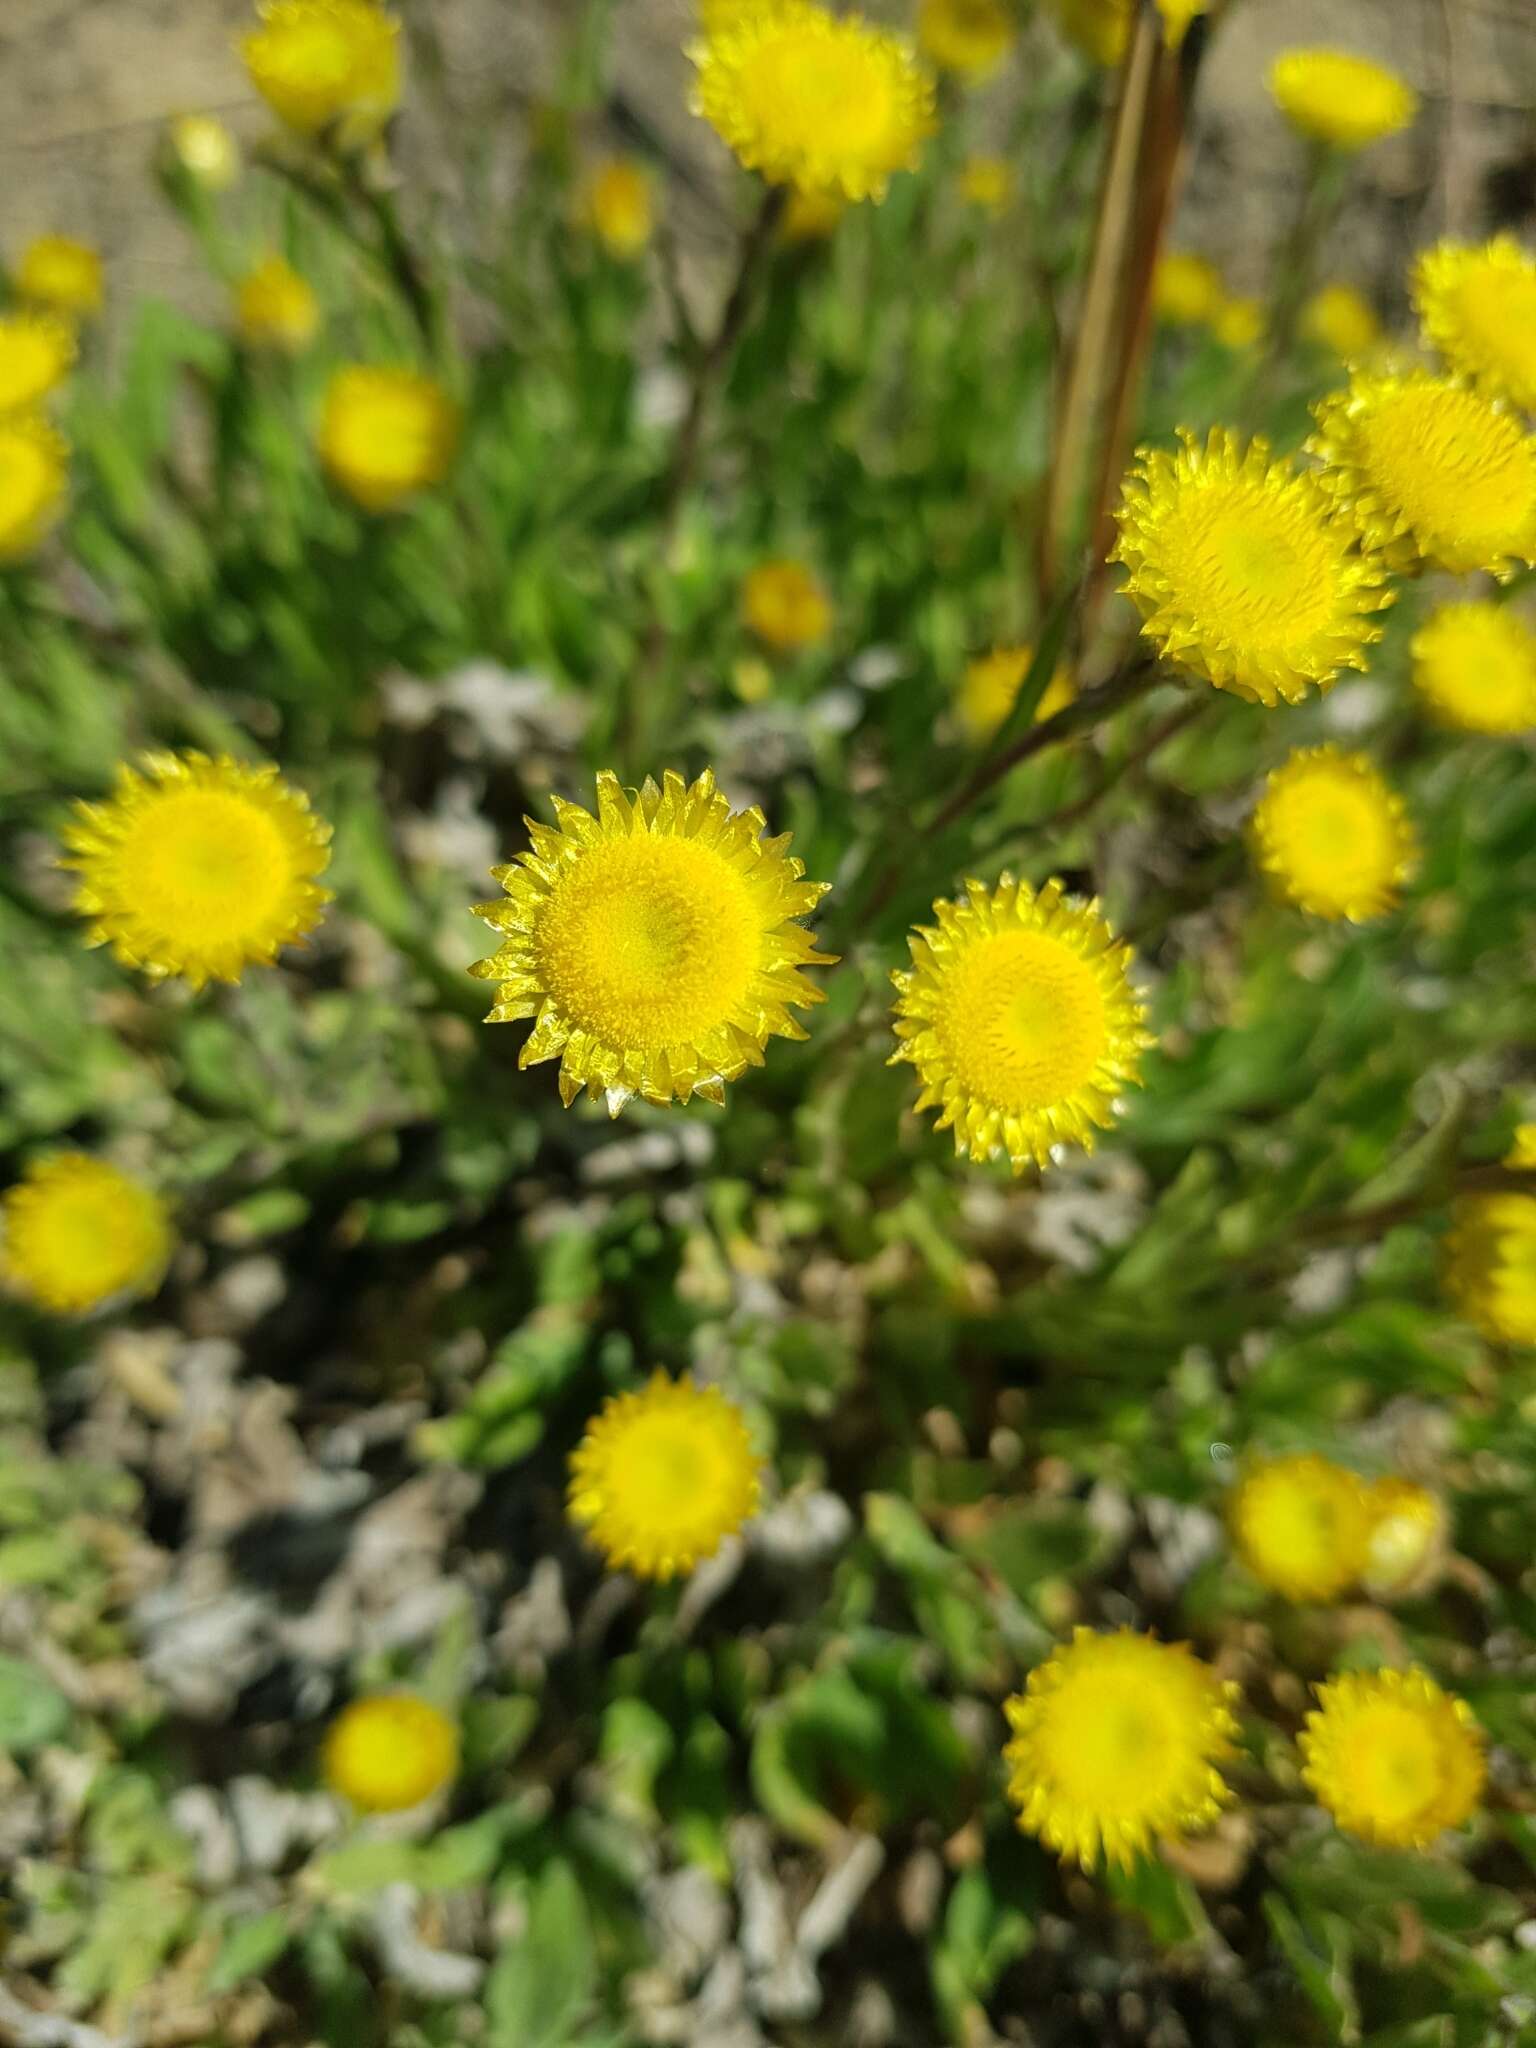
(1522,1149)
(1019,1016)
(74,1232)
(34,475)
(1118,1742)
(810,217)
(824,102)
(1478,308)
(662,1477)
(198,868)
(1238,323)
(1301,1526)
(1407,1536)
(1331,836)
(36,351)
(386,433)
(1433,473)
(1393,1758)
(986,182)
(658,945)
(327,68)
(968,37)
(1342,100)
(1474,664)
(1342,320)
(1101,29)
(1490,1265)
(617,203)
(991,685)
(276,308)
(390,1751)
(62,274)
(1244,572)
(786,606)
(202,147)
(1187,290)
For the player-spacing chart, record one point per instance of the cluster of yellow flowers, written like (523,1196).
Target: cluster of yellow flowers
(57,284)
(1311,1529)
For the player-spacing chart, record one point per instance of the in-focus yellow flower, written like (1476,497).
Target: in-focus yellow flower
(990,688)
(1187,290)
(327,68)
(1238,323)
(1345,101)
(617,202)
(276,308)
(1332,837)
(810,216)
(1118,1742)
(658,945)
(36,351)
(1478,308)
(386,433)
(1342,320)
(390,1751)
(824,102)
(62,274)
(968,37)
(74,1232)
(1019,1016)
(1301,1526)
(202,147)
(662,1477)
(1406,1540)
(786,605)
(198,867)
(34,477)
(1474,664)
(1101,29)
(1490,1265)
(1394,1759)
(1433,473)
(1244,572)
(986,182)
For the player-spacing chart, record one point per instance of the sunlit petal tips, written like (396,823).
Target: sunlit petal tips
(1331,837)
(1395,1759)
(75,1231)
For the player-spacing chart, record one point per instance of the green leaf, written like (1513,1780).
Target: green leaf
(32,1709)
(248,1949)
(539,1989)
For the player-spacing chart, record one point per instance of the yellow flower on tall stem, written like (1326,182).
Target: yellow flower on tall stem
(275,308)
(1490,1265)
(968,37)
(1478,309)
(1393,1758)
(386,434)
(1474,665)
(1301,1525)
(75,1231)
(786,605)
(389,1751)
(62,274)
(328,69)
(1332,837)
(34,481)
(1342,320)
(37,351)
(1344,101)
(617,202)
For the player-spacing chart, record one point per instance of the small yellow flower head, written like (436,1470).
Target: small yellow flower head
(810,217)
(1490,1265)
(36,351)
(824,102)
(34,476)
(198,867)
(968,37)
(390,1751)
(1238,324)
(662,1477)
(1117,1743)
(1301,1526)
(1187,290)
(1019,1016)
(991,685)
(617,203)
(1435,474)
(786,606)
(74,1232)
(658,945)
(1478,308)
(329,69)
(986,182)
(386,433)
(276,308)
(1244,572)
(1332,838)
(1101,29)
(1342,100)
(202,147)
(1407,1536)
(1474,664)
(1522,1149)
(62,274)
(1393,1758)
(1341,320)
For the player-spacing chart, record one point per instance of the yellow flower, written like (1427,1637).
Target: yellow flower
(62,274)
(968,37)
(389,1751)
(810,216)
(1407,1538)
(825,102)
(1238,323)
(74,1232)
(1393,1758)
(1340,319)
(36,351)
(1101,29)
(1243,571)
(327,68)
(1187,290)
(201,146)
(198,867)
(1478,308)
(658,945)
(1342,100)
(33,479)
(1118,1742)
(276,308)
(786,606)
(662,1477)
(1474,664)
(1332,837)
(1019,1016)
(986,182)
(618,205)
(990,688)
(386,433)
(1490,1265)
(1433,473)
(1301,1526)
(1522,1150)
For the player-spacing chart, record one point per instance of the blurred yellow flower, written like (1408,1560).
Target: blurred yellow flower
(276,308)
(810,216)
(34,477)
(74,1232)
(1101,29)
(968,37)
(1345,101)
(659,945)
(1332,837)
(1301,1525)
(1019,1016)
(203,147)
(1489,1264)
(662,1477)
(389,1751)
(329,69)
(786,605)
(986,182)
(991,684)
(386,433)
(1478,308)
(36,351)
(62,274)
(1392,1757)
(1187,290)
(198,867)
(617,203)
(824,102)
(1244,572)
(1118,1742)
(1238,323)
(1342,320)
(1474,664)
(1408,1528)
(1522,1150)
